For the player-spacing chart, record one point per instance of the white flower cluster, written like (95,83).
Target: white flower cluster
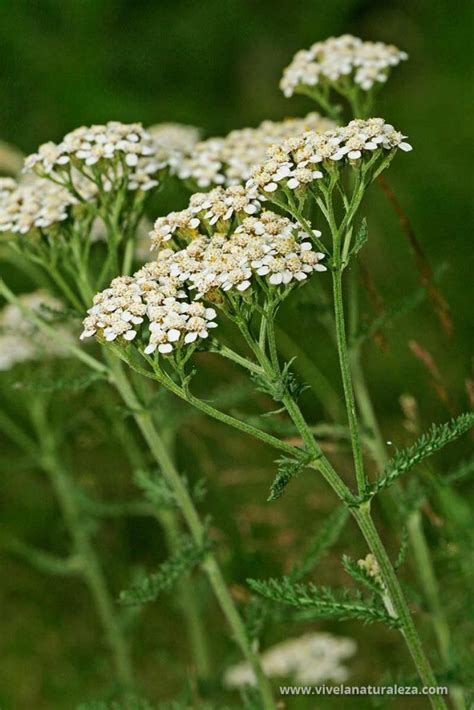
(34,204)
(21,340)
(267,248)
(311,659)
(206,212)
(300,160)
(229,160)
(116,147)
(150,293)
(175,137)
(339,60)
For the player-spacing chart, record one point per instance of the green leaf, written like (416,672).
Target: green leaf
(288,468)
(325,538)
(435,439)
(361,238)
(74,384)
(155,488)
(322,602)
(359,574)
(182,562)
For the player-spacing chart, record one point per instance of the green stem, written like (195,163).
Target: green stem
(364,521)
(169,522)
(91,568)
(418,543)
(395,593)
(347,380)
(197,529)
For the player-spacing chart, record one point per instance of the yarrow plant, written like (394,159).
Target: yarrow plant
(351,67)
(278,210)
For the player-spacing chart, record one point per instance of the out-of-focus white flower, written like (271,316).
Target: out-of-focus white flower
(21,340)
(313,658)
(175,137)
(301,160)
(230,160)
(35,204)
(116,151)
(339,61)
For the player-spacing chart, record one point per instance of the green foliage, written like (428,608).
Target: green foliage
(322,602)
(359,574)
(155,488)
(182,562)
(288,468)
(459,473)
(59,384)
(361,238)
(435,439)
(324,540)
(286,384)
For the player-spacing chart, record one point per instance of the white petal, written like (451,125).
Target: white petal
(190,337)
(173,335)
(165,348)
(131,159)
(130,334)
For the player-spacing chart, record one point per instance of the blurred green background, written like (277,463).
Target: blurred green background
(216,64)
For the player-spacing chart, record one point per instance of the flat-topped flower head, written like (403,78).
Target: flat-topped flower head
(150,303)
(114,150)
(206,212)
(21,340)
(309,157)
(339,63)
(33,205)
(168,303)
(230,160)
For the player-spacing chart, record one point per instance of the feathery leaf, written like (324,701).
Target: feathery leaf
(435,439)
(322,602)
(325,538)
(182,562)
(288,468)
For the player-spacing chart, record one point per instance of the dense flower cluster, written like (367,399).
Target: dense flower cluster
(21,340)
(338,60)
(267,249)
(229,160)
(310,659)
(300,160)
(206,212)
(117,148)
(176,137)
(34,204)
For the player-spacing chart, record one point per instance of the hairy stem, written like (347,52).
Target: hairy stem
(196,527)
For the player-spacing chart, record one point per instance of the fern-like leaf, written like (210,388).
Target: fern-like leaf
(435,439)
(322,602)
(359,574)
(182,562)
(288,468)
(325,538)
(361,238)
(155,488)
